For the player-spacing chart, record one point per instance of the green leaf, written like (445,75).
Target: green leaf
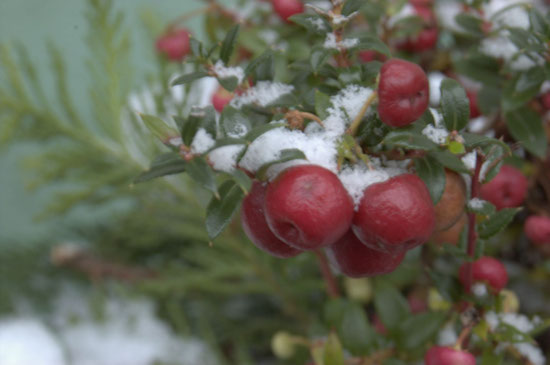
(229,43)
(266,57)
(522,89)
(165,164)
(405,138)
(455,106)
(333,353)
(372,42)
(235,122)
(538,23)
(196,47)
(526,127)
(322,103)
(496,222)
(242,179)
(472,141)
(391,306)
(258,131)
(471,24)
(226,142)
(479,67)
(190,127)
(484,208)
(447,285)
(351,6)
(334,310)
(433,174)
(286,155)
(450,161)
(312,22)
(285,100)
(355,331)
(488,99)
(229,83)
(159,128)
(416,331)
(220,211)
(199,170)
(489,357)
(190,77)
(319,56)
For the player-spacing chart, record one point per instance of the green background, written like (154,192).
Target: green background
(34,23)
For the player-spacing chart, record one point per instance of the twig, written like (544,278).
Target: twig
(328,277)
(355,124)
(472,234)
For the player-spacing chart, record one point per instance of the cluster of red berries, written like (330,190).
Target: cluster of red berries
(426,39)
(306,208)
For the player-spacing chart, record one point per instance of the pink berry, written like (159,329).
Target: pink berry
(174,44)
(439,355)
(255,225)
(537,229)
(395,215)
(307,207)
(507,189)
(221,98)
(486,270)
(403,92)
(354,259)
(287,8)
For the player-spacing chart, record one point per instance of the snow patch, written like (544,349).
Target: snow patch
(224,72)
(332,43)
(262,94)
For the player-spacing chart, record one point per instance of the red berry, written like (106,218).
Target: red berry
(417,304)
(395,215)
(256,228)
(307,207)
(287,8)
(221,98)
(427,38)
(357,260)
(439,355)
(537,229)
(174,44)
(370,55)
(507,189)
(487,270)
(474,109)
(403,92)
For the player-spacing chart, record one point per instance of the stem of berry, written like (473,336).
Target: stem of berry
(355,124)
(472,234)
(328,277)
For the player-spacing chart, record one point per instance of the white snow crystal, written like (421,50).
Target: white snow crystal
(447,336)
(224,158)
(202,141)
(224,72)
(476,203)
(501,46)
(357,178)
(27,341)
(435,78)
(338,19)
(406,11)
(446,11)
(531,352)
(318,23)
(332,43)
(262,94)
(507,13)
(435,134)
(479,290)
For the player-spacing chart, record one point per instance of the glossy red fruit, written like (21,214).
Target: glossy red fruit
(287,8)
(356,260)
(403,92)
(439,355)
(174,44)
(307,207)
(537,229)
(221,98)
(507,189)
(474,108)
(395,215)
(487,270)
(255,225)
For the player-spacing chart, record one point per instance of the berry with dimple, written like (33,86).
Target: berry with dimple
(440,355)
(355,259)
(537,229)
(452,234)
(486,270)
(174,44)
(287,8)
(255,225)
(395,215)
(221,98)
(507,189)
(307,207)
(403,92)
(451,205)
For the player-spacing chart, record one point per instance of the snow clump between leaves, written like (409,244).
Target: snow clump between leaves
(318,143)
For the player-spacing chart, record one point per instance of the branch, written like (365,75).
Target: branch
(328,277)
